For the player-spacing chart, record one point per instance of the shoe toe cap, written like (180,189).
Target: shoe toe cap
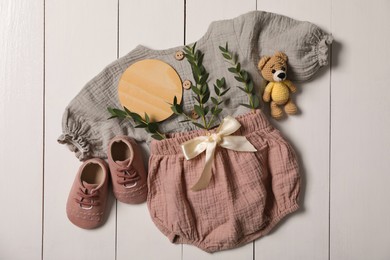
(85,220)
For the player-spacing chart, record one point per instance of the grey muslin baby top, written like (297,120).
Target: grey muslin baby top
(86,130)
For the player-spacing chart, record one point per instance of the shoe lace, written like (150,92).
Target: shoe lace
(127,176)
(87,199)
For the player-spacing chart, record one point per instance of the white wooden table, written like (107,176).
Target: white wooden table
(50,48)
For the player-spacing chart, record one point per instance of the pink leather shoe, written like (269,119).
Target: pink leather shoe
(86,206)
(127,169)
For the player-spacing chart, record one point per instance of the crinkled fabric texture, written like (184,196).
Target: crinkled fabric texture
(86,129)
(248,195)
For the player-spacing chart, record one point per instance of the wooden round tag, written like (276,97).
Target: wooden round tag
(148,86)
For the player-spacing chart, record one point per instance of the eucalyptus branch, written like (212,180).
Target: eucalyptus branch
(178,110)
(201,88)
(150,127)
(215,110)
(241,76)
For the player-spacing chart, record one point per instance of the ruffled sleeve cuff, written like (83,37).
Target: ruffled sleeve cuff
(76,144)
(322,49)
(312,55)
(77,136)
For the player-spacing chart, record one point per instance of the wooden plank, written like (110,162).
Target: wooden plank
(81,39)
(157,25)
(199,16)
(360,223)
(304,235)
(21,128)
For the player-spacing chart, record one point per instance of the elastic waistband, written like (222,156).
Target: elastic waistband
(250,122)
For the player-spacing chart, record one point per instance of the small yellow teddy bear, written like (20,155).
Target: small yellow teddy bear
(273,69)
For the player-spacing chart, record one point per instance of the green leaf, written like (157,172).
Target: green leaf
(195,90)
(137,118)
(226,56)
(119,113)
(232,70)
(235,58)
(193,46)
(214,100)
(157,137)
(239,79)
(190,58)
(223,82)
(196,98)
(197,72)
(187,48)
(203,79)
(250,86)
(127,110)
(244,75)
(197,54)
(216,90)
(111,117)
(202,70)
(222,49)
(147,119)
(206,110)
(226,47)
(173,108)
(213,110)
(255,101)
(217,111)
(199,110)
(141,125)
(238,67)
(179,109)
(243,89)
(199,125)
(185,120)
(224,92)
(200,59)
(206,97)
(246,105)
(152,127)
(111,111)
(204,89)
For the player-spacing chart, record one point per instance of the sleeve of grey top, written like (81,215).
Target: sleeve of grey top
(306,45)
(85,124)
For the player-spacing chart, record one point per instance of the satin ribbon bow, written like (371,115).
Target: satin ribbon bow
(221,137)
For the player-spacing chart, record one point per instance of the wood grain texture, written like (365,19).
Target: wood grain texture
(304,234)
(149,86)
(21,128)
(360,223)
(200,13)
(157,25)
(81,39)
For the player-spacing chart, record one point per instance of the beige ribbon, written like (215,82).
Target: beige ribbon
(222,138)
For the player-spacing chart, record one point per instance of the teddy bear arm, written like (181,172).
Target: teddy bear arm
(267,92)
(291,86)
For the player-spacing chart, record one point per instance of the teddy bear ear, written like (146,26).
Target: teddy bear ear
(281,55)
(262,62)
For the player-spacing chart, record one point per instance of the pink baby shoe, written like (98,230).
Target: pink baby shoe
(87,199)
(127,170)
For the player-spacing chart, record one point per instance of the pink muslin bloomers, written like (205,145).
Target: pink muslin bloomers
(249,193)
